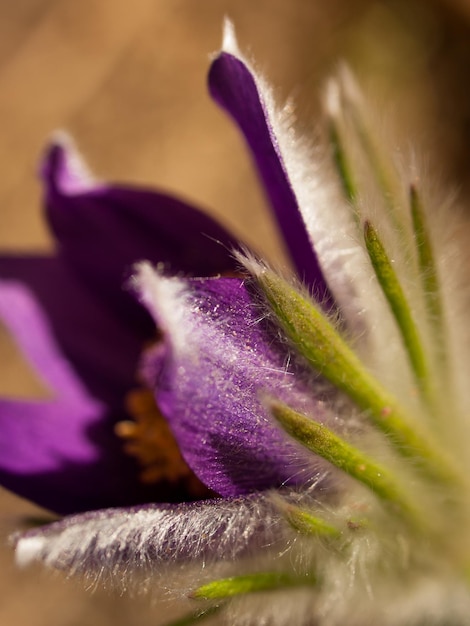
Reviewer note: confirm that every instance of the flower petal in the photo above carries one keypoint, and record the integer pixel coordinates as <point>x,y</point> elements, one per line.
<point>145,538</point>
<point>306,196</point>
<point>104,229</point>
<point>61,452</point>
<point>218,358</point>
<point>237,89</point>
<point>102,349</point>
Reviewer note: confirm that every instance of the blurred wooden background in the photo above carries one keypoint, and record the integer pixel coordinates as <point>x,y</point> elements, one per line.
<point>127,79</point>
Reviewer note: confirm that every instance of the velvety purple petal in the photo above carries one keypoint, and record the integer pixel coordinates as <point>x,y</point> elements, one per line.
<point>147,538</point>
<point>218,359</point>
<point>234,88</point>
<point>61,452</point>
<point>102,230</point>
<point>101,347</point>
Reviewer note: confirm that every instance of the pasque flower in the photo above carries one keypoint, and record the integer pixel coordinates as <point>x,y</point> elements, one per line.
<point>326,416</point>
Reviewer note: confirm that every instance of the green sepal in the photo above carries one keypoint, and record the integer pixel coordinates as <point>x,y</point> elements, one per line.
<point>327,444</point>
<point>315,337</point>
<point>399,306</point>
<point>250,583</point>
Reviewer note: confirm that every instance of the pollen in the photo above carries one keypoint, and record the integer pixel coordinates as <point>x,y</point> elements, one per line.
<point>148,438</point>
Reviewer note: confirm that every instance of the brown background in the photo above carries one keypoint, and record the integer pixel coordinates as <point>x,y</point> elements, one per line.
<point>127,79</point>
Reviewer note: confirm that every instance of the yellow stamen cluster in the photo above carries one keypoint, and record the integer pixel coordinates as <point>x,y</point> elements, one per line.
<point>148,438</point>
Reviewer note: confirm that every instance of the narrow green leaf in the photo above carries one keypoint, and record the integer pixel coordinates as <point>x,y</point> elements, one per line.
<point>384,173</point>
<point>304,522</point>
<point>343,166</point>
<point>424,248</point>
<point>322,441</point>
<point>318,341</point>
<point>238,585</point>
<point>428,271</point>
<point>399,306</point>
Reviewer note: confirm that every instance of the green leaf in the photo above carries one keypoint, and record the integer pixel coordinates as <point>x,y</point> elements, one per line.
<point>306,523</point>
<point>400,308</point>
<point>238,585</point>
<point>428,273</point>
<point>322,441</point>
<point>317,340</point>
<point>343,166</point>
<point>383,172</point>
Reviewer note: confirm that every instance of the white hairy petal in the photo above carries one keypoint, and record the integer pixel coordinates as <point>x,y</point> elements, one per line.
<point>149,536</point>
<point>172,297</point>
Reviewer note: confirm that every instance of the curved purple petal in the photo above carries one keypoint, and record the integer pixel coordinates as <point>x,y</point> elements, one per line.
<point>147,538</point>
<point>234,87</point>
<point>218,359</point>
<point>102,230</point>
<point>61,452</point>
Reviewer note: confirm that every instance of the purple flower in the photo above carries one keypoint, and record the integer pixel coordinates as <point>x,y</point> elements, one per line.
<point>313,412</point>
<point>84,332</point>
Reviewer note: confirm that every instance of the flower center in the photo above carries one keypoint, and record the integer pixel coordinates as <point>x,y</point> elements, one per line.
<point>148,438</point>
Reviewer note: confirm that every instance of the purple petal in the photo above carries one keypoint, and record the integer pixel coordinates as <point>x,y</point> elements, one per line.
<point>102,348</point>
<point>102,230</point>
<point>147,538</point>
<point>218,359</point>
<point>235,88</point>
<point>61,452</point>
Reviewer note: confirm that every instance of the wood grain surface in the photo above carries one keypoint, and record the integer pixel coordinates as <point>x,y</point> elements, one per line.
<point>127,79</point>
